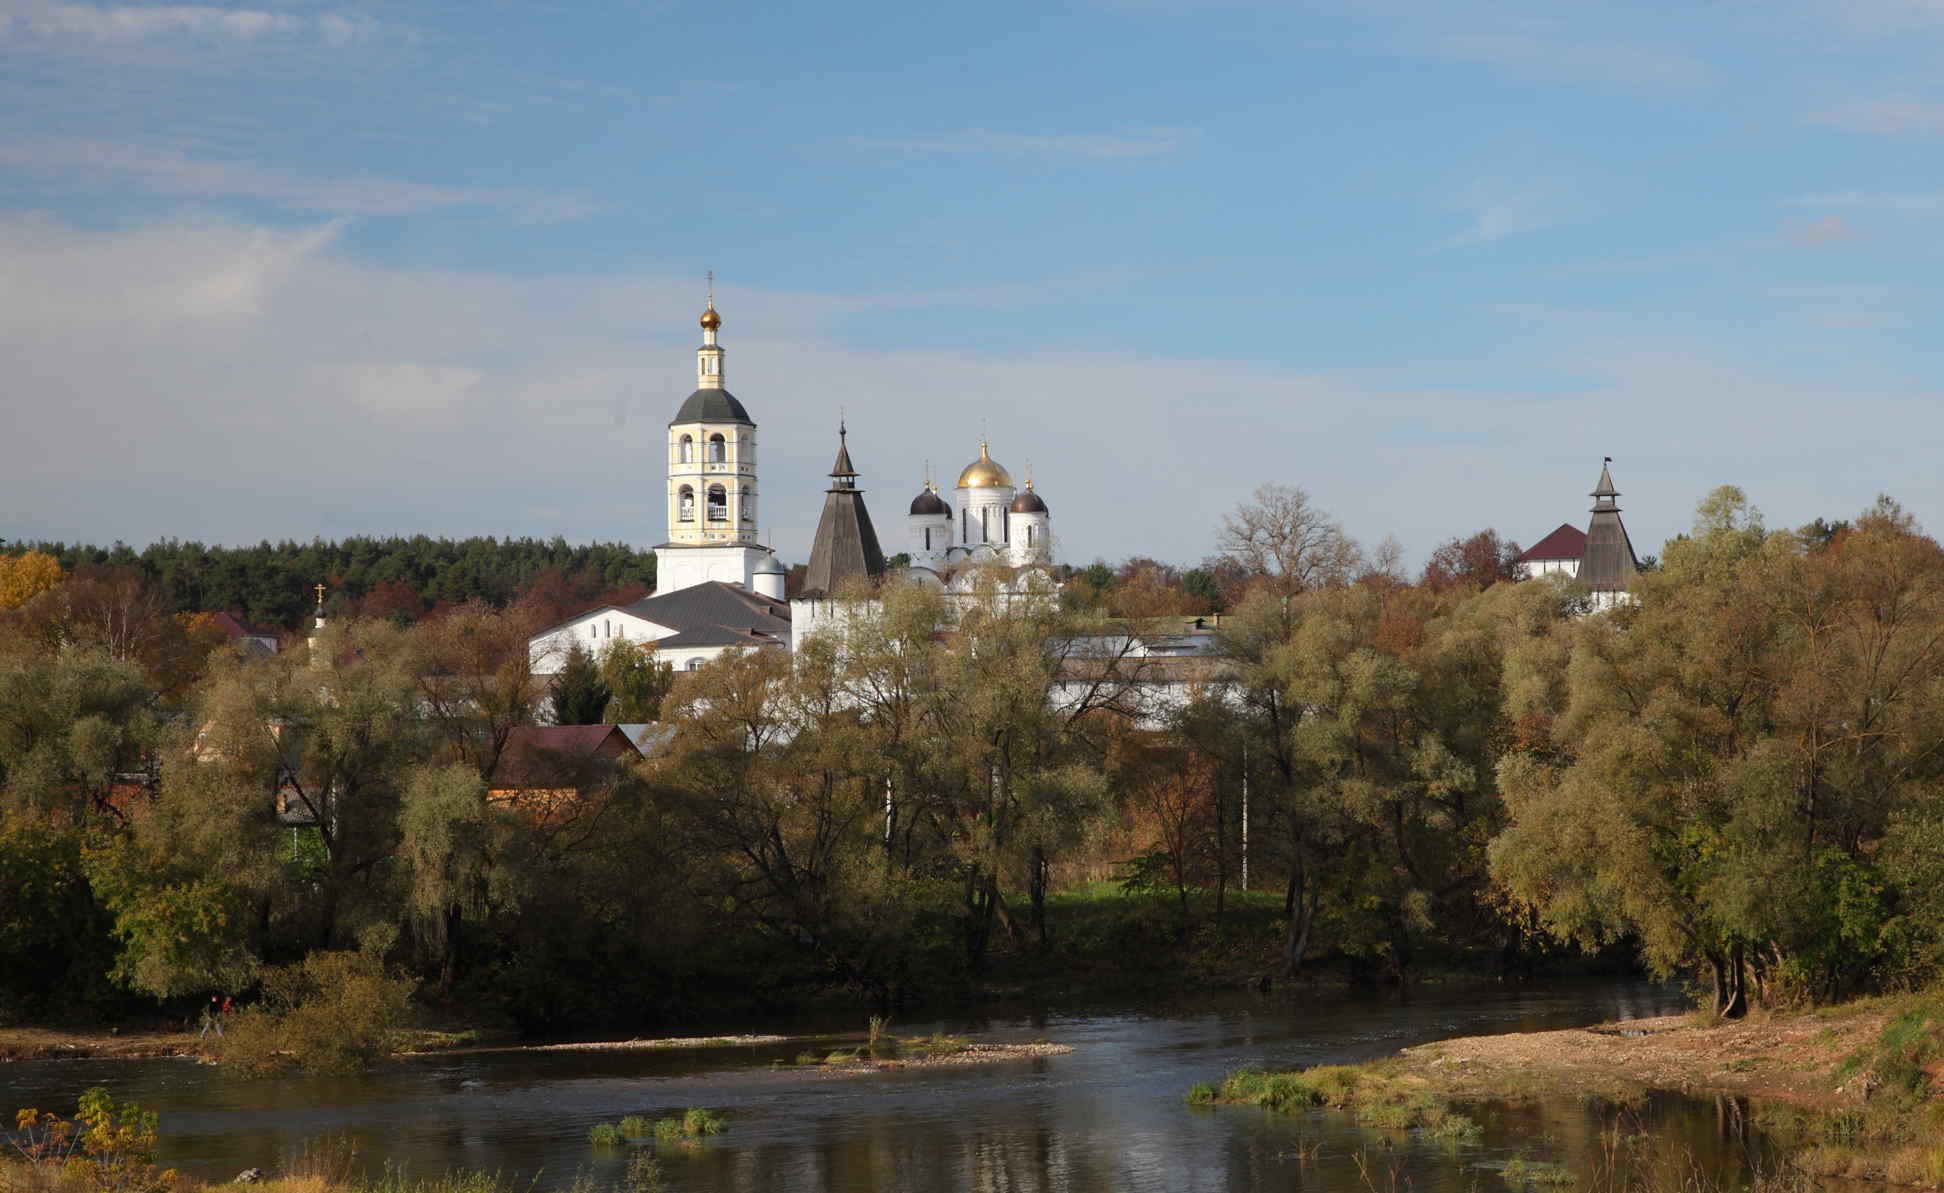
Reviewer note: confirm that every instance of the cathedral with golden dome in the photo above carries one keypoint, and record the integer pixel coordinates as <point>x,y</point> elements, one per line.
<point>995,522</point>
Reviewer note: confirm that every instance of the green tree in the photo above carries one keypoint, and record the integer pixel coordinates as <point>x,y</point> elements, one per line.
<point>638,682</point>
<point>580,697</point>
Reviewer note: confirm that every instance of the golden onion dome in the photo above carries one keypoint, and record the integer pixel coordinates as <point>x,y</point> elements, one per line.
<point>711,320</point>
<point>985,473</point>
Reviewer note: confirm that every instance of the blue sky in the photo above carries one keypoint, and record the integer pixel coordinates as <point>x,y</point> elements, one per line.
<point>295,270</point>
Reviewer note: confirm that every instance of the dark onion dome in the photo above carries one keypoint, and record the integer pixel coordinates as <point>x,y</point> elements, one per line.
<point>929,504</point>
<point>1028,502</point>
<point>712,406</point>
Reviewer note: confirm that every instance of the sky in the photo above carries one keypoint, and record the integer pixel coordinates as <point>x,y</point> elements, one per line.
<point>290,270</point>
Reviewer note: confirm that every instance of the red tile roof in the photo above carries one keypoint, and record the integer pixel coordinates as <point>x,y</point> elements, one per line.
<point>1565,543</point>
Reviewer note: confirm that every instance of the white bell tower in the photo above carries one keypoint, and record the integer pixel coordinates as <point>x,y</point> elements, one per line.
<point>711,480</point>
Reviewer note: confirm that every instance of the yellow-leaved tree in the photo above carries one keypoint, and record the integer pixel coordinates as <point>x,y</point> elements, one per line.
<point>25,576</point>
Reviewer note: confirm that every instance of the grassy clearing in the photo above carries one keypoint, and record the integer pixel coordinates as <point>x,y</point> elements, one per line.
<point>1382,1095</point>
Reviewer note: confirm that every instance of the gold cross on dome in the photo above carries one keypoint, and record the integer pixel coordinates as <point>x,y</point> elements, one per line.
<point>320,595</point>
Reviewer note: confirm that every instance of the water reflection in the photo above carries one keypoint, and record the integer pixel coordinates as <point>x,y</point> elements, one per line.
<point>1107,1117</point>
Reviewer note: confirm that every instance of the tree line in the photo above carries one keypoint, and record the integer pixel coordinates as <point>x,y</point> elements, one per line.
<point>401,578</point>
<point>1736,775</point>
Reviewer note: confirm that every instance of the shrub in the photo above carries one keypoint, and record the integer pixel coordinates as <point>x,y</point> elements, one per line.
<point>700,1121</point>
<point>605,1135</point>
<point>637,1126</point>
<point>644,1174</point>
<point>105,1148</point>
<point>1202,1093</point>
<point>668,1129</point>
<point>332,1012</point>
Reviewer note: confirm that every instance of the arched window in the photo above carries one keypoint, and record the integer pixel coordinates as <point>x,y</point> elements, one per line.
<point>718,451</point>
<point>686,504</point>
<point>748,505</point>
<point>965,516</point>
<point>1030,535</point>
<point>718,504</point>
<point>688,449</point>
<point>928,538</point>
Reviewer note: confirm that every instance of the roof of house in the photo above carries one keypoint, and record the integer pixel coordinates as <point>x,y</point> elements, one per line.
<point>1567,542</point>
<point>714,605</point>
<point>556,755</point>
<point>248,635</point>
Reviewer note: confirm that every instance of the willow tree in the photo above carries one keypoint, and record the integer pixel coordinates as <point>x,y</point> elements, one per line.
<point>1731,751</point>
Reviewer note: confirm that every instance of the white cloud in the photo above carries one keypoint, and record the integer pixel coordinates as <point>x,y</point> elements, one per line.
<point>1605,62</point>
<point>1890,116</point>
<point>164,170</point>
<point>1146,143</point>
<point>1902,201</point>
<point>1496,210</point>
<point>120,23</point>
<point>1886,16</point>
<point>223,381</point>
<point>1829,229</point>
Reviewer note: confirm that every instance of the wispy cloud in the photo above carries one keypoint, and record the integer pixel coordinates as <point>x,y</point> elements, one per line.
<point>1609,63</point>
<point>124,23</point>
<point>1828,230</point>
<point>87,163</point>
<point>1892,116</point>
<point>1496,210</point>
<point>1886,16</point>
<point>1904,201</point>
<point>1143,143</point>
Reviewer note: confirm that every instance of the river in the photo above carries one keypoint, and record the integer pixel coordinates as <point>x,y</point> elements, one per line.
<point>1107,1116</point>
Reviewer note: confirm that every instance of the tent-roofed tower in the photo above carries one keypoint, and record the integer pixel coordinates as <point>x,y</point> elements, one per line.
<point>1608,563</point>
<point>711,480</point>
<point>846,547</point>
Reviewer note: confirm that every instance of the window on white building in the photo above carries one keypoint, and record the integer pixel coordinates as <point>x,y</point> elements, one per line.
<point>748,513</point>
<point>718,504</point>
<point>695,664</point>
<point>718,448</point>
<point>688,449</point>
<point>686,506</point>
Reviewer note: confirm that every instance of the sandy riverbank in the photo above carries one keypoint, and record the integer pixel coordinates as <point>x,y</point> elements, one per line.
<point>1788,1057</point>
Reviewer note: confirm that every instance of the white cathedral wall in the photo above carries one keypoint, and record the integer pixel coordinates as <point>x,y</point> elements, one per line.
<point>593,632</point>
<point>1532,569</point>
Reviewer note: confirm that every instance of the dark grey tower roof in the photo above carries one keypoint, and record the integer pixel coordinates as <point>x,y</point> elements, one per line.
<point>1028,502</point>
<point>930,503</point>
<point>1608,563</point>
<point>846,546</point>
<point>712,406</point>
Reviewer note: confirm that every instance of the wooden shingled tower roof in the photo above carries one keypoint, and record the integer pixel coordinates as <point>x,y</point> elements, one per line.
<point>846,546</point>
<point>1608,563</point>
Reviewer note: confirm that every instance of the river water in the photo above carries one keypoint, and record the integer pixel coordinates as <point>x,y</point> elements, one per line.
<point>1107,1116</point>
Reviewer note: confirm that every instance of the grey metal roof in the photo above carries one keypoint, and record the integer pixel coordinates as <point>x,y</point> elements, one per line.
<point>930,503</point>
<point>714,605</point>
<point>717,636</point>
<point>712,406</point>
